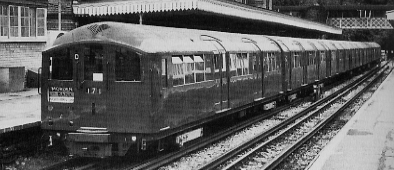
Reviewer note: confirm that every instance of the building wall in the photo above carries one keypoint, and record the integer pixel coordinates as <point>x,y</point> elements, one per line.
<point>21,54</point>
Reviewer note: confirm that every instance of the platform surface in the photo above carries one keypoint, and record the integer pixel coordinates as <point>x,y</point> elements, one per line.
<point>366,142</point>
<point>19,110</point>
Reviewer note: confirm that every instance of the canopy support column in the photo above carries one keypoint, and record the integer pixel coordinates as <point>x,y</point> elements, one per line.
<point>140,14</point>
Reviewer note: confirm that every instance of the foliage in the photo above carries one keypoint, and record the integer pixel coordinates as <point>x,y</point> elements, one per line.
<point>375,35</point>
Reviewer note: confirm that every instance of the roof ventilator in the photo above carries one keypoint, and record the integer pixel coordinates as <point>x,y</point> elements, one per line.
<point>95,28</point>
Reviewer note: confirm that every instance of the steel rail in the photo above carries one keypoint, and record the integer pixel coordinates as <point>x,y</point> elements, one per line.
<point>84,164</point>
<point>171,157</point>
<point>284,154</point>
<point>237,151</point>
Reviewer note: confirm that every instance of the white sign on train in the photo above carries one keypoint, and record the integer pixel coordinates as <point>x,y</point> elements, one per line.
<point>61,95</point>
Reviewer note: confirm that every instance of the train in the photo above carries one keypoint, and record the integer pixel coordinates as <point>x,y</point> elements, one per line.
<point>115,89</point>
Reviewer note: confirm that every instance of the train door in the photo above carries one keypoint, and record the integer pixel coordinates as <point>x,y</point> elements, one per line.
<point>304,65</point>
<point>221,73</point>
<point>91,80</point>
<point>222,78</point>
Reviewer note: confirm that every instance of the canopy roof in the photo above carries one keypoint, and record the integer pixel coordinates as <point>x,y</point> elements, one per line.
<point>218,7</point>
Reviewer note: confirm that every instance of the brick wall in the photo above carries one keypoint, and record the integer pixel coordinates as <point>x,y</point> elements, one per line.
<point>21,54</point>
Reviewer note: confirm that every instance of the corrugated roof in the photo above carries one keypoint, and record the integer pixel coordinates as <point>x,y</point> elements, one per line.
<point>337,7</point>
<point>221,7</point>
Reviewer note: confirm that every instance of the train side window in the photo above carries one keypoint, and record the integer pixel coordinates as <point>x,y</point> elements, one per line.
<point>296,60</point>
<point>164,69</point>
<point>239,64</point>
<point>277,59</point>
<point>216,65</point>
<point>333,55</point>
<point>200,68</point>
<point>189,69</point>
<point>233,64</point>
<point>208,67</point>
<point>127,65</point>
<point>267,63</point>
<point>245,58</point>
<point>271,63</point>
<point>322,56</point>
<point>310,58</point>
<point>61,66</point>
<point>313,58</point>
<point>274,62</point>
<point>252,63</point>
<point>178,73</point>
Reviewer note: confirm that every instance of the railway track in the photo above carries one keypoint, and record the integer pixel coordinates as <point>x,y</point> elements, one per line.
<point>170,158</point>
<point>267,151</point>
<point>163,160</point>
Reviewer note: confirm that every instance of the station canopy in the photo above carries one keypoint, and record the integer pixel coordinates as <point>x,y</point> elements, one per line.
<point>215,7</point>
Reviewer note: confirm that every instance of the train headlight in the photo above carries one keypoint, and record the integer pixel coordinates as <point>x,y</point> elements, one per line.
<point>50,107</point>
<point>133,138</point>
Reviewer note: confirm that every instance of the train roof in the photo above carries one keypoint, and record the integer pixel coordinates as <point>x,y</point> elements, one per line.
<point>317,45</point>
<point>157,39</point>
<point>287,44</point>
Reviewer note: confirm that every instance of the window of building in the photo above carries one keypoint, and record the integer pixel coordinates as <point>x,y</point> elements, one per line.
<point>127,64</point>
<point>41,21</point>
<point>14,26</point>
<point>32,18</point>
<point>25,22</point>
<point>20,21</point>
<point>3,21</point>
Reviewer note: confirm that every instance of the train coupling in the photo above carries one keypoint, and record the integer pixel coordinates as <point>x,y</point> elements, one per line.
<point>90,143</point>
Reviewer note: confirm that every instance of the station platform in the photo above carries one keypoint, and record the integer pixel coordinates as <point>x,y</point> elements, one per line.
<point>20,110</point>
<point>367,141</point>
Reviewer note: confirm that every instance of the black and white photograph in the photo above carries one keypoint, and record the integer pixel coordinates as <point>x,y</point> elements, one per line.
<point>196,85</point>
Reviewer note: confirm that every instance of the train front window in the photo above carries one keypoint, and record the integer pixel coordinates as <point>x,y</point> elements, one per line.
<point>127,65</point>
<point>61,66</point>
<point>93,63</point>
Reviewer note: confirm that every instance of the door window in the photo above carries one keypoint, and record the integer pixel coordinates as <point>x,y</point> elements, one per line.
<point>93,63</point>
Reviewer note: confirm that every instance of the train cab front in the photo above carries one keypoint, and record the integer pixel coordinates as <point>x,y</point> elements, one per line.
<point>79,85</point>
